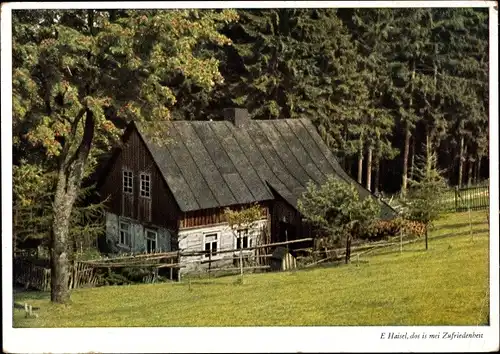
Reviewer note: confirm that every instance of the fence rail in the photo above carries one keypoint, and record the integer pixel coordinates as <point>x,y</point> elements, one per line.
<point>32,275</point>
<point>85,273</point>
<point>472,198</point>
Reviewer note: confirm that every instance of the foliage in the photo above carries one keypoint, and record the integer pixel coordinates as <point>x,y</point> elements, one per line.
<point>382,229</point>
<point>370,30</point>
<point>244,218</point>
<point>77,72</point>
<point>69,61</point>
<point>336,208</point>
<point>290,63</point>
<point>33,195</point>
<point>426,190</point>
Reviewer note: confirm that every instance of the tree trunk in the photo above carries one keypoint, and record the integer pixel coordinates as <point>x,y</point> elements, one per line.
<point>349,167</point>
<point>428,151</point>
<point>469,172</point>
<point>68,183</point>
<point>405,161</point>
<point>412,168</point>
<point>348,249</point>
<point>478,169</point>
<point>461,161</point>
<point>360,167</point>
<point>404,184</point>
<point>369,169</point>
<point>426,237</point>
<point>14,230</point>
<point>377,174</point>
<point>63,204</point>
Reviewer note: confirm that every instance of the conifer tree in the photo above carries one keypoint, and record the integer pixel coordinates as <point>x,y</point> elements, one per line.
<point>426,190</point>
<point>288,63</point>
<point>370,30</point>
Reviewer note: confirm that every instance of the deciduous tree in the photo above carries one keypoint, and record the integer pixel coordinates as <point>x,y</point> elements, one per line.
<point>338,210</point>
<point>74,70</point>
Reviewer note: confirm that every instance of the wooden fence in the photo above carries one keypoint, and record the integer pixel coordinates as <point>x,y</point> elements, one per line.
<point>31,275</point>
<point>85,273</point>
<point>251,259</point>
<point>473,198</point>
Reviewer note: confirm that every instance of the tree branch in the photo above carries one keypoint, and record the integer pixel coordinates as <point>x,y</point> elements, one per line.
<point>88,136</point>
<point>80,156</point>
<point>74,127</point>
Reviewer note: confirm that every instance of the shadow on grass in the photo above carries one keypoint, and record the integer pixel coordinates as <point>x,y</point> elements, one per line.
<point>397,251</point>
<point>458,226</point>
<point>21,295</point>
<point>325,265</point>
<point>475,232</point>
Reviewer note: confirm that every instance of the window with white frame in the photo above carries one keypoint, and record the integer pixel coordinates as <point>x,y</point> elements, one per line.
<point>151,241</point>
<point>145,185</point>
<point>243,239</point>
<point>125,234</point>
<point>128,182</point>
<point>211,243</point>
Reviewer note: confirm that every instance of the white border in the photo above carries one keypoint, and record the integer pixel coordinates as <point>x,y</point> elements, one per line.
<point>494,167</point>
<point>267,339</point>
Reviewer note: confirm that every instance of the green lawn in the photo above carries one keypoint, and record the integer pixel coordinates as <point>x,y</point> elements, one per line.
<point>446,285</point>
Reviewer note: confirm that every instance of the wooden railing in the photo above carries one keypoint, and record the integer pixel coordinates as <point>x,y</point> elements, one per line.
<point>472,198</point>
<point>31,275</point>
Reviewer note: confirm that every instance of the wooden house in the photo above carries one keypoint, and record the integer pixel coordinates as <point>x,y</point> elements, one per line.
<point>172,196</point>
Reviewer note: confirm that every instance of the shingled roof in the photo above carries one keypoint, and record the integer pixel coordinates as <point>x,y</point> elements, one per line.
<point>209,164</point>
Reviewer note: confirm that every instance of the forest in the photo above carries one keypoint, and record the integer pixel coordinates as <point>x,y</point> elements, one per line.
<point>383,86</point>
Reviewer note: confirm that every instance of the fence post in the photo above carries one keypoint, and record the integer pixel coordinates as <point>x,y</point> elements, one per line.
<point>179,269</point>
<point>241,262</point>
<point>456,198</point>
<point>209,262</point>
<point>470,223</point>
<point>401,240</point>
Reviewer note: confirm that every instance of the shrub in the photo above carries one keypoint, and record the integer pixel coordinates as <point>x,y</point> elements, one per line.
<point>382,229</point>
<point>126,275</point>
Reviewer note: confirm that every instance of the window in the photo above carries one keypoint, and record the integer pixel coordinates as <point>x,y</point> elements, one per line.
<point>125,234</point>
<point>243,239</point>
<point>128,180</point>
<point>211,244</point>
<point>145,185</point>
<point>151,241</point>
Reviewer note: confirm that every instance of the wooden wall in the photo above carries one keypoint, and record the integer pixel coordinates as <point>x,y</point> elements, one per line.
<point>161,209</point>
<point>282,212</point>
<point>213,216</point>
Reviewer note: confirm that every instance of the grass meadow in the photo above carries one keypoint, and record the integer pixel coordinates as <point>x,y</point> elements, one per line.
<point>445,285</point>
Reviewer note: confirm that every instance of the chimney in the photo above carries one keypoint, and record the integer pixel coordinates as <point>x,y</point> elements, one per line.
<point>238,116</point>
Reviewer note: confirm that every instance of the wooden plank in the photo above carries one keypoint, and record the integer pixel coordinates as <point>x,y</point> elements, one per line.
<point>238,268</point>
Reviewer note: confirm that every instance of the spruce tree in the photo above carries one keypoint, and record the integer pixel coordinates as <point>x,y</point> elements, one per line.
<point>424,202</point>
<point>288,63</point>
